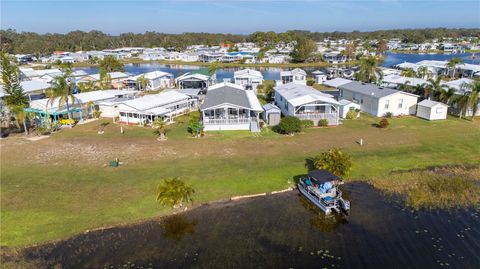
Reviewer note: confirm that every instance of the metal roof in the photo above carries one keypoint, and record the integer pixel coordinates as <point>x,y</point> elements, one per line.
<point>150,101</point>
<point>430,103</point>
<point>297,94</point>
<point>227,94</point>
<point>322,176</point>
<point>336,82</point>
<point>368,89</point>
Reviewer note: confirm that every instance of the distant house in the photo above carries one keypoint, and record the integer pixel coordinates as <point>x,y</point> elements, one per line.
<point>156,80</point>
<point>80,108</point>
<point>271,114</point>
<point>320,77</point>
<point>199,79</point>
<point>144,110</point>
<point>228,106</point>
<point>306,103</point>
<point>210,57</point>
<point>377,100</point>
<point>248,78</point>
<point>296,75</point>
<point>116,79</point>
<point>396,81</point>
<point>334,57</point>
<point>431,110</point>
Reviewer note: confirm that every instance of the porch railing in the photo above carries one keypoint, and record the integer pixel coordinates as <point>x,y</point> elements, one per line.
<point>208,121</point>
<point>316,116</point>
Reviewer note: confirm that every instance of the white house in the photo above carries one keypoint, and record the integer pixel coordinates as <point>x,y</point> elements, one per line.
<point>198,79</point>
<point>144,110</point>
<point>432,110</point>
<point>306,103</point>
<point>296,75</point>
<point>320,77</point>
<point>156,80</point>
<point>395,81</point>
<point>377,100</point>
<point>248,78</point>
<point>228,106</point>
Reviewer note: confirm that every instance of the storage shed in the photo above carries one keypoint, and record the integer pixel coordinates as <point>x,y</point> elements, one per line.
<point>271,114</point>
<point>431,110</point>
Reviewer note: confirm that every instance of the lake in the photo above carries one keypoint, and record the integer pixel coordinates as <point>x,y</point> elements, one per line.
<point>273,73</point>
<point>280,231</point>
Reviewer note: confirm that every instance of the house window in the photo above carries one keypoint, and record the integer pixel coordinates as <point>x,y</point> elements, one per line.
<point>341,93</point>
<point>122,114</point>
<point>387,104</point>
<point>439,110</point>
<point>400,103</point>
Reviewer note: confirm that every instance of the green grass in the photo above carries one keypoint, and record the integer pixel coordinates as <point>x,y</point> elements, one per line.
<point>50,200</point>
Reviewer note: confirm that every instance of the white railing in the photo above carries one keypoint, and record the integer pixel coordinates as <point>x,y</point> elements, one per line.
<point>208,121</point>
<point>316,116</point>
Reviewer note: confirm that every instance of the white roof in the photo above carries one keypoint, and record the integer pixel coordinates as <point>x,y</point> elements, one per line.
<point>31,86</point>
<point>193,75</point>
<point>396,79</point>
<point>430,103</point>
<point>293,72</point>
<point>154,75</point>
<point>253,100</point>
<point>80,98</point>
<point>459,84</point>
<point>151,101</point>
<point>223,84</point>
<point>406,65</point>
<point>336,82</point>
<point>113,75</point>
<point>247,73</point>
<point>297,94</point>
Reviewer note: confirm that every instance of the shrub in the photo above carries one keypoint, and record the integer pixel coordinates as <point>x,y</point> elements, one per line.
<point>352,114</point>
<point>307,124</point>
<point>333,160</point>
<point>288,125</point>
<point>310,81</point>
<point>174,192</point>
<point>194,126</point>
<point>383,123</point>
<point>97,114</point>
<point>388,115</point>
<point>323,122</point>
<point>40,130</point>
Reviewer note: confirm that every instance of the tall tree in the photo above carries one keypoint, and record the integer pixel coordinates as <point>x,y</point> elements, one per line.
<point>409,72</point>
<point>434,88</point>
<point>15,99</point>
<point>303,50</point>
<point>452,65</point>
<point>369,71</point>
<point>474,97</point>
<point>62,90</point>
<point>111,64</point>
<point>423,72</point>
<point>381,47</point>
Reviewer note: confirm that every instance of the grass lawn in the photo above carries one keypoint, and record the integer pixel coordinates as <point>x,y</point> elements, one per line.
<point>59,186</point>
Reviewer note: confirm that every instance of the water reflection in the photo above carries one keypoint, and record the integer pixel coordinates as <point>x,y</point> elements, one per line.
<point>321,221</point>
<point>177,227</point>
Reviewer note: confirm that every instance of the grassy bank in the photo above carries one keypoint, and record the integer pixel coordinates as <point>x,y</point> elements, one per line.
<point>436,188</point>
<point>60,186</point>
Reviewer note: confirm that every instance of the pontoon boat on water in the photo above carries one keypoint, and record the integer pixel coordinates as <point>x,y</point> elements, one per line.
<point>321,188</point>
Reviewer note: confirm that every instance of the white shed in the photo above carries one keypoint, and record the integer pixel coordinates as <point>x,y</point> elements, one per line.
<point>432,110</point>
<point>271,114</point>
<point>346,106</point>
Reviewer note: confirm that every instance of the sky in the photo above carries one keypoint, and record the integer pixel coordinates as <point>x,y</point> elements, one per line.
<point>234,16</point>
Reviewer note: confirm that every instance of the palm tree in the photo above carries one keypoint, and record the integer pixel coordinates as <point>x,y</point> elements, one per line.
<point>423,72</point>
<point>409,72</point>
<point>369,71</point>
<point>159,125</point>
<point>445,95</point>
<point>212,69</point>
<point>473,97</point>
<point>174,192</point>
<point>142,81</point>
<point>434,87</point>
<point>453,63</point>
<point>62,89</point>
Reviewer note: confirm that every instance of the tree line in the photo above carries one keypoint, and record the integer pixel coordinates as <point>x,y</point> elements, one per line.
<point>38,44</point>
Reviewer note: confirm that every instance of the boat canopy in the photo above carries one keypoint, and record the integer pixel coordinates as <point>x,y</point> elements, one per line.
<point>322,176</point>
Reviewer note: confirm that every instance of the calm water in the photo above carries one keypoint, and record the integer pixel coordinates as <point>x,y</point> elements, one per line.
<point>274,73</point>
<point>281,231</point>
